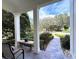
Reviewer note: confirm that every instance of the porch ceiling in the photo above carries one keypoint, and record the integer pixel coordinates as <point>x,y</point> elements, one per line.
<point>18,6</point>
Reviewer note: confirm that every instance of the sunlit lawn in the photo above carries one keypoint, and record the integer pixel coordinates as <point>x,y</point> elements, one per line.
<point>60,34</point>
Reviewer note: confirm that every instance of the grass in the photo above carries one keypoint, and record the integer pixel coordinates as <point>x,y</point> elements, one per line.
<point>60,34</point>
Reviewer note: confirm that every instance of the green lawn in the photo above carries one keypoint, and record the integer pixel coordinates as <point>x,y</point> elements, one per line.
<point>60,34</point>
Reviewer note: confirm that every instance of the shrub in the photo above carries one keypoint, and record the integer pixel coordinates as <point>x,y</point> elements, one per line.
<point>45,38</point>
<point>54,28</point>
<point>66,27</point>
<point>65,42</point>
<point>11,42</point>
<point>29,36</point>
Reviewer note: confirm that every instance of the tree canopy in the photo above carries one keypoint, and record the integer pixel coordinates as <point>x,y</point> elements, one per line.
<point>24,24</point>
<point>55,23</point>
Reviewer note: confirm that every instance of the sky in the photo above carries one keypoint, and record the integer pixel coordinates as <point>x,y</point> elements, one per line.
<point>52,9</point>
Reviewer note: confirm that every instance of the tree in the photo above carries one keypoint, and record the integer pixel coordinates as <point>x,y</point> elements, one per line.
<point>46,23</point>
<point>63,19</point>
<point>24,24</point>
<point>55,23</point>
<point>8,24</point>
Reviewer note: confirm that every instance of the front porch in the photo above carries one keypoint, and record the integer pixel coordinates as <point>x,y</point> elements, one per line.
<point>18,7</point>
<point>53,51</point>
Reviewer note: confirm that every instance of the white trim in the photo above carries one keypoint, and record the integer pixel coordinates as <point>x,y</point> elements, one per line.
<point>73,29</point>
<point>77,29</point>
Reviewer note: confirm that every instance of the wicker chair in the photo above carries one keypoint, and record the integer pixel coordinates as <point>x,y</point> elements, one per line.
<point>7,52</point>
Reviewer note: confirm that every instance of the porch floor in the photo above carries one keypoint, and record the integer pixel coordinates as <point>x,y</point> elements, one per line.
<point>53,51</point>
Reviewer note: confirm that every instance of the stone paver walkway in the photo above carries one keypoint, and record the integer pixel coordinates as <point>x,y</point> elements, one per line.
<point>53,50</point>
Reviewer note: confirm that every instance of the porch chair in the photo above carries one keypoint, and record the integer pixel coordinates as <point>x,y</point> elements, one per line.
<point>7,52</point>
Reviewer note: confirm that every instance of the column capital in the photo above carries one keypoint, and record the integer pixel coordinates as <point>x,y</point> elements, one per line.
<point>16,14</point>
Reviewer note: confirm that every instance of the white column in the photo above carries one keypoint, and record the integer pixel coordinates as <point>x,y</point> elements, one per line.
<point>73,29</point>
<point>36,30</point>
<point>17,28</point>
